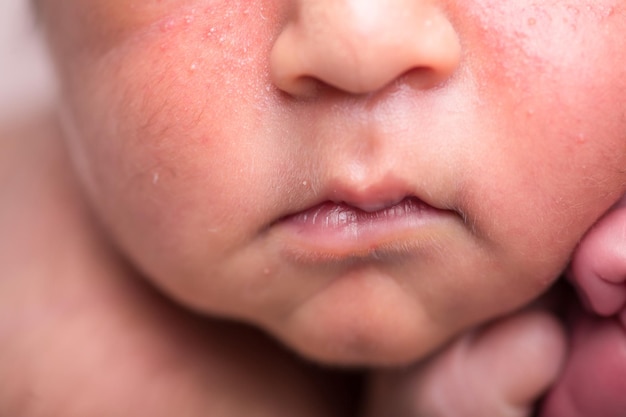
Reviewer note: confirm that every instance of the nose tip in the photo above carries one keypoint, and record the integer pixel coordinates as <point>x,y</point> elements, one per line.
<point>360,46</point>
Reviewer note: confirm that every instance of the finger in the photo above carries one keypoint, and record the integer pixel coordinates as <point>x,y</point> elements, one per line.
<point>598,268</point>
<point>521,356</point>
<point>594,380</point>
<point>499,372</point>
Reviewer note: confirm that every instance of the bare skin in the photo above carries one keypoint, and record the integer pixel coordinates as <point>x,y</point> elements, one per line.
<point>500,370</point>
<point>318,193</point>
<point>89,337</point>
<point>83,336</point>
<point>595,377</point>
<point>211,139</point>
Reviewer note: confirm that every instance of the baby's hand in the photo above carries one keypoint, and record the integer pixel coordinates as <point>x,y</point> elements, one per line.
<point>499,371</point>
<point>599,265</point>
<point>594,381</point>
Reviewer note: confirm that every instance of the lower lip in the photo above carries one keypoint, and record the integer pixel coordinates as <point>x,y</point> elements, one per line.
<point>335,232</point>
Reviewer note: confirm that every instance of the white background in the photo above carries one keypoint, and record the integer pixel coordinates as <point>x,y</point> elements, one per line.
<point>25,77</point>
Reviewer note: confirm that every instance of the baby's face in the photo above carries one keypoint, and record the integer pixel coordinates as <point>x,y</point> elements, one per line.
<point>363,179</point>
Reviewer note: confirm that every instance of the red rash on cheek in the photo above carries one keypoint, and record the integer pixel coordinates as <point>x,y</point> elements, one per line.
<point>557,60</point>
<point>158,96</point>
<point>544,39</point>
<point>200,68</point>
<point>196,59</point>
<point>547,74</point>
<point>95,27</point>
<point>181,90</point>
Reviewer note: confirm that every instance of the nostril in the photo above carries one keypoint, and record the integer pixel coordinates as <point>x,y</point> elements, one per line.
<point>304,86</point>
<point>419,78</point>
<point>423,78</point>
<point>360,47</point>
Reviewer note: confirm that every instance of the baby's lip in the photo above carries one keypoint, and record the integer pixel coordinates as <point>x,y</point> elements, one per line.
<point>371,198</point>
<point>379,194</point>
<point>380,220</point>
<point>340,217</point>
<point>375,196</point>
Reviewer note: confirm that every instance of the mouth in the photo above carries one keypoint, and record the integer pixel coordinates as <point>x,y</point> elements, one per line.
<point>334,231</point>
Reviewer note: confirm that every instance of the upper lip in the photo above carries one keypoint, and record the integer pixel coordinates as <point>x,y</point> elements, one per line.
<point>368,197</point>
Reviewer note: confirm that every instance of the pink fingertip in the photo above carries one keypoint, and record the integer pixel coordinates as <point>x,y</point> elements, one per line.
<point>598,294</point>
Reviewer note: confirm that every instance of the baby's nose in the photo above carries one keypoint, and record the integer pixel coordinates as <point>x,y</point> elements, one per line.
<point>360,46</point>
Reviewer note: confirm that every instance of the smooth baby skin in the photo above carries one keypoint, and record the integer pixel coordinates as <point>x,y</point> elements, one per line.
<point>67,352</point>
<point>83,335</point>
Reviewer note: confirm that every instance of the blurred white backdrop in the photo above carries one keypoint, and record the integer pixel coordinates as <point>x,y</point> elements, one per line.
<point>25,78</point>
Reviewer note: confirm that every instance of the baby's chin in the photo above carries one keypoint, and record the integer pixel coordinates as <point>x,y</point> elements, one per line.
<point>364,345</point>
<point>364,341</point>
<point>364,327</point>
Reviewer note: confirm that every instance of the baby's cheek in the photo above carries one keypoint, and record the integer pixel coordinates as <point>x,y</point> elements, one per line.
<point>555,107</point>
<point>95,28</point>
<point>527,41</point>
<point>123,14</point>
<point>190,80</point>
<point>171,119</point>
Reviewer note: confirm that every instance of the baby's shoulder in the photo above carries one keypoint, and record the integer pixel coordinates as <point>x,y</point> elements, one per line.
<point>34,185</point>
<point>42,216</point>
